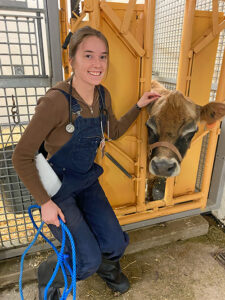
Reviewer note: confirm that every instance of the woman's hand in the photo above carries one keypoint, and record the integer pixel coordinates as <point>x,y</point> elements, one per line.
<point>147,98</point>
<point>50,212</point>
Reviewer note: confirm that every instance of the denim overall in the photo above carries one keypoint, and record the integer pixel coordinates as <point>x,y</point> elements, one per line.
<point>89,216</point>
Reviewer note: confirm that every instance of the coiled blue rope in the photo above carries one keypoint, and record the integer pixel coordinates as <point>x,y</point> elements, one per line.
<point>61,259</point>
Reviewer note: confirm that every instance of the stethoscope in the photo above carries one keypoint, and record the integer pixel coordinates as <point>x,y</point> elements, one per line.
<point>70,128</point>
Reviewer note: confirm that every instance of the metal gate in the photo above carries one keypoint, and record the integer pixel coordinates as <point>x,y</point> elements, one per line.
<point>188,42</point>
<point>129,29</point>
<point>30,62</point>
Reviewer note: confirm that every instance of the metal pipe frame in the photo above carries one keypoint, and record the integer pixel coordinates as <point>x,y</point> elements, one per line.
<point>169,204</point>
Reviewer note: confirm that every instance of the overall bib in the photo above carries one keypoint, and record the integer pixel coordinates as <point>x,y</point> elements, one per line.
<point>89,216</point>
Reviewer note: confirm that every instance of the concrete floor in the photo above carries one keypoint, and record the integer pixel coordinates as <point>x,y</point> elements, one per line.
<point>182,270</point>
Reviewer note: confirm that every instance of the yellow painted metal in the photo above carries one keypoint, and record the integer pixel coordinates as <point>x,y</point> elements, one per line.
<point>185,45</point>
<point>75,23</point>
<point>127,17</point>
<point>220,96</point>
<point>124,72</point>
<point>199,92</point>
<point>128,37</point>
<point>208,36</point>
<point>145,85</point>
<point>95,21</point>
<point>129,29</point>
<point>215,17</point>
<point>155,213</point>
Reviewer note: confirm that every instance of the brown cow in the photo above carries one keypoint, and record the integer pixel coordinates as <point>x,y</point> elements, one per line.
<point>171,125</point>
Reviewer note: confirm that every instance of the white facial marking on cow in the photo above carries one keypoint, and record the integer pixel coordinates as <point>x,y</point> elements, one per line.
<point>193,128</point>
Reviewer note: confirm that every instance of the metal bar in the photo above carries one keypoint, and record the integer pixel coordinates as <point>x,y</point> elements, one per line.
<point>121,211</point>
<point>14,4</point>
<point>127,17</point>
<point>116,163</point>
<point>26,44</point>
<point>185,45</point>
<point>8,65</point>
<point>7,7</point>
<point>41,47</point>
<point>29,81</point>
<point>7,38</point>
<point>145,215</point>
<point>129,38</point>
<point>207,37</point>
<point>215,17</point>
<point>145,85</point>
<point>220,96</point>
<point>53,42</point>
<point>76,24</point>
<point>95,15</point>
<point>121,152</point>
<point>20,16</point>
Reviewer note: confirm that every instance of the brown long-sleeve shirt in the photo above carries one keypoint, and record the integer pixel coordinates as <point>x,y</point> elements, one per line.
<point>48,124</point>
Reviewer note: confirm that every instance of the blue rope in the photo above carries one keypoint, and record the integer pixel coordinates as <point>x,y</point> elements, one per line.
<point>62,259</point>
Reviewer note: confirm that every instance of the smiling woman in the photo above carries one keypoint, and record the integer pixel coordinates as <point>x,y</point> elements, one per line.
<point>80,201</point>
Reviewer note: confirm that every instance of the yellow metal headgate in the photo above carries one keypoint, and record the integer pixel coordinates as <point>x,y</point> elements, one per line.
<point>181,44</point>
<point>129,29</point>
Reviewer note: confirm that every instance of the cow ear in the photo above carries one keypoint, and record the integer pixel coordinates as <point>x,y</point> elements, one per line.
<point>159,88</point>
<point>212,112</point>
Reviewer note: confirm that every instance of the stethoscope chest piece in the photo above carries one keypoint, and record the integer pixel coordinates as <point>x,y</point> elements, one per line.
<point>70,128</point>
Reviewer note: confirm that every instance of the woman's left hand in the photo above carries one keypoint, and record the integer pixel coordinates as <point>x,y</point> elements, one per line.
<point>147,98</point>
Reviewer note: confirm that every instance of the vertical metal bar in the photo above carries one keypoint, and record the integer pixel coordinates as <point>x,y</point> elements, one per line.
<point>127,16</point>
<point>20,49</point>
<point>215,17</point>
<point>41,47</point>
<point>95,20</point>
<point>53,41</point>
<point>185,45</point>
<point>8,43</point>
<point>145,85</point>
<point>31,51</point>
<point>220,95</point>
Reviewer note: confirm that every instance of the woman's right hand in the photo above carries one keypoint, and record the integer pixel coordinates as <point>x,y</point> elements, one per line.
<point>50,212</point>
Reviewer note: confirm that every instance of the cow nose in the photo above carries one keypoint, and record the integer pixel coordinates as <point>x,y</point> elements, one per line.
<point>163,167</point>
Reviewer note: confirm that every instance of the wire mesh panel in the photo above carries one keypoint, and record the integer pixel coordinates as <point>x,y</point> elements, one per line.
<point>26,73</point>
<point>15,226</point>
<point>167,36</point>
<point>207,6</point>
<point>21,43</point>
<point>28,3</point>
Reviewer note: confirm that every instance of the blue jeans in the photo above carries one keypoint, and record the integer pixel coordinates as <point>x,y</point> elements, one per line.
<point>94,227</point>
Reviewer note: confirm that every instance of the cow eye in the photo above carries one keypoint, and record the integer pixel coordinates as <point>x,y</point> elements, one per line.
<point>151,125</point>
<point>190,135</point>
<point>152,135</point>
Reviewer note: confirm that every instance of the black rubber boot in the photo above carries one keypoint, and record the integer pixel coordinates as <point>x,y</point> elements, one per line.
<point>53,293</point>
<point>111,273</point>
<point>45,272</point>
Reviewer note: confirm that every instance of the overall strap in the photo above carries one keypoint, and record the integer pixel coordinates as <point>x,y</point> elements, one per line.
<point>75,106</point>
<point>102,107</point>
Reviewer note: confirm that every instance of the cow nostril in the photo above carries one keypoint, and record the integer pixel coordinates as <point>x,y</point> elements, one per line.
<point>154,166</point>
<point>172,168</point>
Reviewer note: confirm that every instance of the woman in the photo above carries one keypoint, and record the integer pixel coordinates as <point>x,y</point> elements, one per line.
<point>71,146</point>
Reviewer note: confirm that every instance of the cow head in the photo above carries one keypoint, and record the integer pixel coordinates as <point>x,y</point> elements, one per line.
<point>171,125</point>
